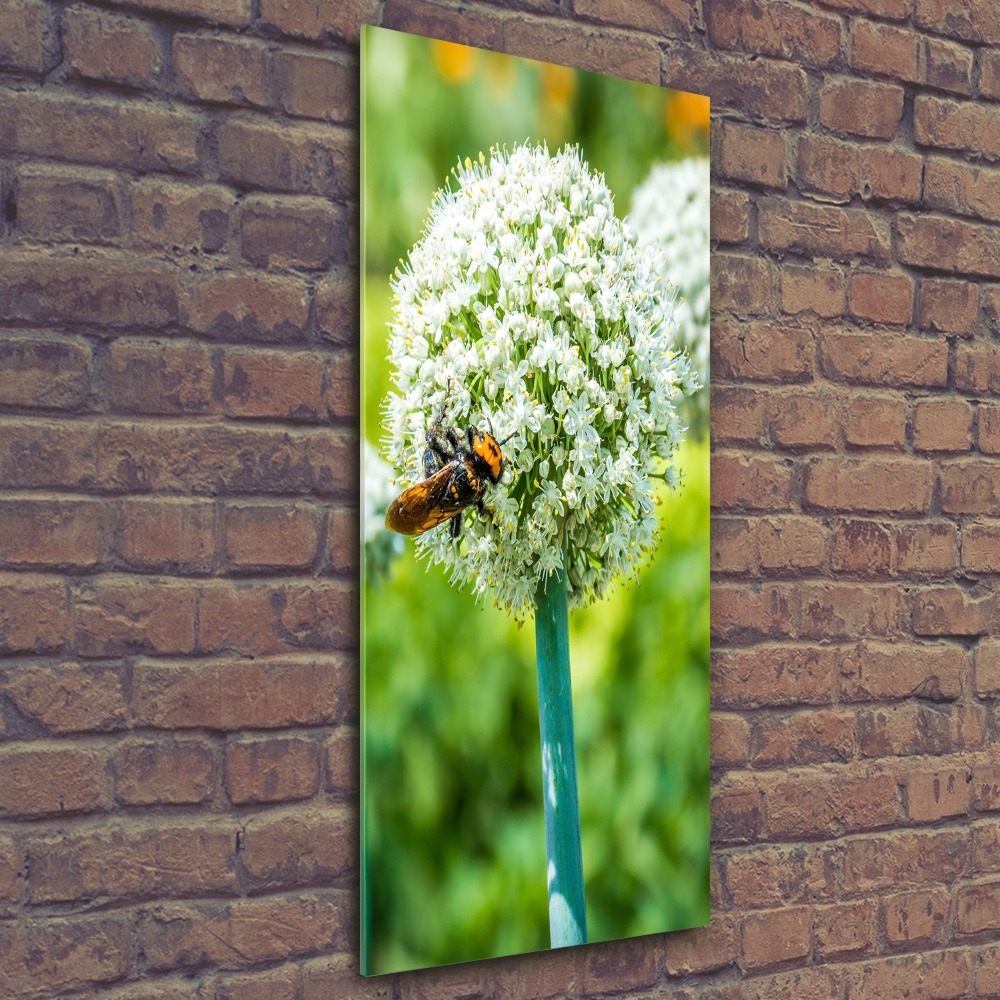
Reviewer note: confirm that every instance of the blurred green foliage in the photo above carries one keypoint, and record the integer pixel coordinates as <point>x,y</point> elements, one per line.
<point>453,842</point>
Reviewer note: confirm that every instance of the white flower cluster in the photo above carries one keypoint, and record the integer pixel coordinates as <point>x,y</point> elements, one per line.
<point>529,306</point>
<point>670,209</point>
<point>381,546</point>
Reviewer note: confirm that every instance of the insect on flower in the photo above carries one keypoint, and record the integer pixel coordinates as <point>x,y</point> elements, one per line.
<point>457,469</point>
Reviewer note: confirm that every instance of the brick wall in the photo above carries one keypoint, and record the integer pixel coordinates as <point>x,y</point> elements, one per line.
<point>178,289</point>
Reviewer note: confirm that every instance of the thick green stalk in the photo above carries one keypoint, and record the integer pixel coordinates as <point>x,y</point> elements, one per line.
<point>567,908</point>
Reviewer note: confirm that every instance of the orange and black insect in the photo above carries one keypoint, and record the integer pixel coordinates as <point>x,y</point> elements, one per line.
<point>457,470</point>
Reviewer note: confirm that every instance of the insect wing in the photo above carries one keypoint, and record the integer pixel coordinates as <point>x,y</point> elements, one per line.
<point>424,505</point>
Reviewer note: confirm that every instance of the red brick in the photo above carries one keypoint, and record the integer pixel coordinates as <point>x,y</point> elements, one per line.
<point>825,983</point>
<point>241,694</point>
<point>260,383</point>
<point>732,549</point>
<point>68,697</point>
<point>164,772</point>
<point>970,487</point>
<point>972,20</point>
<point>988,667</point>
<point>742,285</point>
<point>884,359</point>
<point>54,954</point>
<point>943,974</point>
<point>180,218</point>
<point>156,377</point>
<point>949,244</point>
<point>926,548</point>
<point>767,88</point>
<point>300,158</point>
<point>979,908</point>
<point>908,729</point>
<point>891,174</point>
<point>315,86</point>
<point>49,779</point>
<point>627,963</point>
<point>116,615</point>
<point>341,380</point>
<point>729,740</point>
<point>989,430</point>
<point>337,311</point>
<point>880,670</point>
<point>165,860</point>
<point>894,9</point>
<point>812,289</point>
<point>862,547</point>
<point>887,50</point>
<point>236,13</point>
<point>739,415</point>
<point>222,70</point>
<point>774,29</point>
<point>245,931</point>
<point>104,46</point>
<point>882,298</point>
<point>283,232</point>
<point>666,17</point>
<point>830,167</point>
<point>847,611</point>
<point>892,484</point>
<point>270,536</point>
<point>479,28</point>
<point>34,613</point>
<point>754,483</point>
<point>962,189</point>
<point>741,613</point>
<point>936,794</point>
<point>633,56</point>
<point>773,675</point>
<point>702,949</point>
<point>886,862</point>
<point>859,107</point>
<point>752,352</point>
<point>948,306</point>
<point>985,785</point>
<point>803,419</point>
<point>822,230</point>
<point>957,125</point>
<point>986,971</point>
<point>919,917</point>
<point>282,983</point>
<point>790,543</point>
<point>981,547</point>
<point>29,39</point>
<point>736,814</point>
<point>730,215</point>
<point>948,66</point>
<point>271,770</point>
<point>807,737</point>
<point>323,18</point>
<point>950,611</point>
<point>875,422</point>
<point>248,307</point>
<point>68,533</point>
<point>991,309</point>
<point>989,73</point>
<point>942,425</point>
<point>299,847</point>
<point>99,131</point>
<point>342,765</point>
<point>343,540</point>
<point>977,367</point>
<point>747,153</point>
<point>766,875</point>
<point>79,205</point>
<point>845,928</point>
<point>162,534</point>
<point>776,936</point>
<point>48,372</point>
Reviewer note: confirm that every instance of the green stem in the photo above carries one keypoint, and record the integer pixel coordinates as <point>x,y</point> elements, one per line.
<point>567,908</point>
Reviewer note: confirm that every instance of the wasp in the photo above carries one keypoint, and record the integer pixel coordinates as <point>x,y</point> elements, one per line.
<point>457,469</point>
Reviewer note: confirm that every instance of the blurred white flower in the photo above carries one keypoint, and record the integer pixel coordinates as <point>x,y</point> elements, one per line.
<point>670,210</point>
<point>566,343</point>
<point>381,546</point>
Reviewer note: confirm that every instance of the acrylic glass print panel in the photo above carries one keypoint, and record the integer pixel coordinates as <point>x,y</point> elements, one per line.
<point>535,266</point>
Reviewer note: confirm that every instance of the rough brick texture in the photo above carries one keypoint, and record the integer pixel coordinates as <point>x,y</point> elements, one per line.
<point>178,414</point>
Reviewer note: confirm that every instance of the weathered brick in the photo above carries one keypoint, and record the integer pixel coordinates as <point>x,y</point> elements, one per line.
<point>315,86</point>
<point>222,70</point>
<point>337,310</point>
<point>773,675</point>
<point>750,482</point>
<point>736,814</point>
<point>942,425</point>
<point>336,18</point>
<point>667,17</point>
<point>948,306</point>
<point>730,215</point>
<point>164,534</point>
<point>48,780</point>
<point>950,611</point>
<point>761,611</point>
<point>847,611</point>
<point>805,737</point>
<point>766,875</point>
<point>884,359</point>
<point>805,419</point>
<point>970,487</point>
<point>749,352</point>
<point>972,20</point>
<point>830,167</point>
<point>957,125</point>
<point>886,49</point>
<point>342,765</point>
<point>282,232</point>
<point>159,377</point>
<point>859,107</point>
<point>845,928</point>
<point>38,532</point>
<point>875,421</point>
<point>786,543</point>
<point>985,785</point>
<point>747,153</point>
<point>918,917</point>
<point>888,861</point>
<point>481,28</point>
<point>34,613</point>
<point>891,174</point>
<point>892,484</point>
<point>989,73</point>
<point>863,547</point>
<point>875,670</point>
<point>29,38</point>
<point>981,547</point>
<point>962,188</point>
<point>295,847</point>
<point>272,770</point>
<point>180,218</point>
<point>987,660</point>
<point>822,230</point>
<point>881,297</point>
<point>942,974</point>
<point>82,205</point>
<point>269,536</point>
<point>909,729</point>
<point>248,307</point>
<point>733,550</point>
<point>979,908</point>
<point>44,371</point>
<point>164,772</point>
<point>69,697</point>
<point>812,289</point>
<point>343,535</point>
<point>282,384</point>
<point>935,794</point>
<point>729,739</point>
<point>774,29</point>
<point>930,547</point>
<point>104,46</point>
<point>742,285</point>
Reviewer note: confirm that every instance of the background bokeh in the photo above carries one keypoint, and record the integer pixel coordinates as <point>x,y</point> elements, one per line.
<point>453,842</point>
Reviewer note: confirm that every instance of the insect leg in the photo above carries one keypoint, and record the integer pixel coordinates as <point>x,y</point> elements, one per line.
<point>456,525</point>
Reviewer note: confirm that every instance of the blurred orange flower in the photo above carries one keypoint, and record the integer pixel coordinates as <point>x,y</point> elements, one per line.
<point>453,62</point>
<point>686,114</point>
<point>558,84</point>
